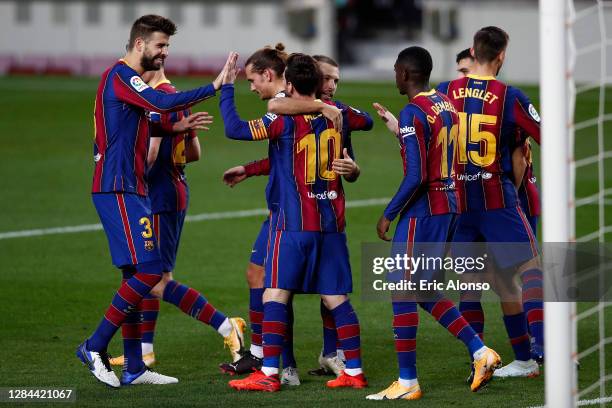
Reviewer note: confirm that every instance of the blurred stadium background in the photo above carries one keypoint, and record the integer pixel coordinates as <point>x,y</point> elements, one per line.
<point>56,281</point>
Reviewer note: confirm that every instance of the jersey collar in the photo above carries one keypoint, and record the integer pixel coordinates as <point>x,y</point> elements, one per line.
<point>126,63</point>
<point>483,78</point>
<point>426,93</point>
<point>163,81</point>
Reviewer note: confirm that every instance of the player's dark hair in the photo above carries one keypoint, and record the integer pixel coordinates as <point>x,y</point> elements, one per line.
<point>268,57</point>
<point>326,60</point>
<point>149,24</point>
<point>303,73</point>
<point>417,62</point>
<point>489,42</point>
<point>463,55</point>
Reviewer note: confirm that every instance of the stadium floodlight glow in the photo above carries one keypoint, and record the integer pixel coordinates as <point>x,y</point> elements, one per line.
<point>556,200</point>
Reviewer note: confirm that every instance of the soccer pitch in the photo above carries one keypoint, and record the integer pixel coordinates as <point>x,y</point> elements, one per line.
<point>54,288</point>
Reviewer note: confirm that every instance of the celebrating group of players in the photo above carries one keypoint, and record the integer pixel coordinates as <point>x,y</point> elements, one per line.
<point>466,161</point>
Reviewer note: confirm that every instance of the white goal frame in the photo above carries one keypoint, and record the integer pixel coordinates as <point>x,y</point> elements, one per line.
<point>557,200</point>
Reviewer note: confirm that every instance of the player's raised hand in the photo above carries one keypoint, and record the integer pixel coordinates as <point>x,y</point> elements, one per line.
<point>195,121</point>
<point>334,114</point>
<point>219,79</point>
<point>232,70</point>
<point>235,175</point>
<point>345,165</point>
<point>383,227</point>
<point>387,117</point>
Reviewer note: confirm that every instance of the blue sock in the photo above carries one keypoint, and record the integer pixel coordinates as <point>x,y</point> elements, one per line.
<point>193,303</point>
<point>126,299</point>
<point>330,337</point>
<point>472,312</point>
<point>256,314</point>
<point>533,304</point>
<point>150,310</point>
<point>347,326</point>
<point>516,326</point>
<point>274,328</point>
<point>287,353</point>
<point>132,348</point>
<point>405,324</point>
<point>445,312</point>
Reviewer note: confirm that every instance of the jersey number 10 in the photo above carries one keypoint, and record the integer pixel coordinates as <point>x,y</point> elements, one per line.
<point>319,152</point>
<point>460,137</point>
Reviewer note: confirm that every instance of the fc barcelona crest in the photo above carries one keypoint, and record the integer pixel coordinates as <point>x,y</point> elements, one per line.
<point>149,245</point>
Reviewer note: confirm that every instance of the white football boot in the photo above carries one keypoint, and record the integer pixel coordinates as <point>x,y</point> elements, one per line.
<point>333,364</point>
<point>290,376</point>
<point>98,364</point>
<point>146,376</point>
<point>518,368</point>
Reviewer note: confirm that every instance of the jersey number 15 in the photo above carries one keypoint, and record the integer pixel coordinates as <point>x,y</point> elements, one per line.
<point>460,138</point>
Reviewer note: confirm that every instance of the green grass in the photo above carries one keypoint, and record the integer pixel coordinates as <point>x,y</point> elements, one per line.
<point>54,289</point>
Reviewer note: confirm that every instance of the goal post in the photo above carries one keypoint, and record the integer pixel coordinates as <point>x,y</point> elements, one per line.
<point>556,197</point>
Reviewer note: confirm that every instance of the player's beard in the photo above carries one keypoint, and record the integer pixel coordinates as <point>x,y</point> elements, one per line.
<point>148,63</point>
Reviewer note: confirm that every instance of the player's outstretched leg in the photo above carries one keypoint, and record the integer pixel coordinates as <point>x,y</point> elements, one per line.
<point>290,375</point>
<point>347,327</point>
<point>485,360</point>
<point>533,305</point>
<point>472,312</point>
<point>193,303</point>
<point>405,324</point>
<point>93,351</point>
<point>274,329</point>
<point>252,358</point>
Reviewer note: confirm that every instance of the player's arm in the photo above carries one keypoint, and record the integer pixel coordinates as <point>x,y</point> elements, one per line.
<point>288,106</point>
<point>263,128</point>
<point>154,143</point>
<point>193,150</point>
<point>525,115</point>
<point>519,165</point>
<point>413,138</point>
<point>237,174</point>
<point>132,90</point>
<point>356,119</point>
<point>387,117</point>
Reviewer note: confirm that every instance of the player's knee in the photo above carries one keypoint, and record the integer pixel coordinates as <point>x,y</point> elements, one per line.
<point>276,295</point>
<point>158,290</point>
<point>255,275</point>
<point>533,263</point>
<point>511,308</point>
<point>333,301</point>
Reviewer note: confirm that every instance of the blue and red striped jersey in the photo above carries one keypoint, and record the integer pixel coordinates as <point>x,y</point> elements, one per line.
<point>353,119</point>
<point>427,126</point>
<point>168,188</point>
<point>490,112</point>
<point>302,149</point>
<point>122,128</point>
